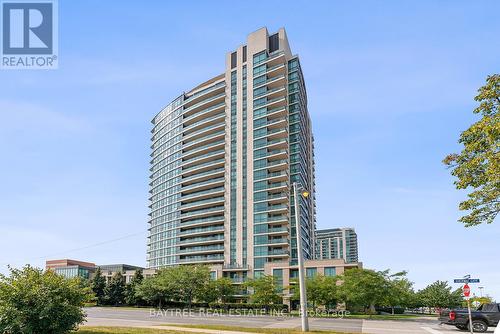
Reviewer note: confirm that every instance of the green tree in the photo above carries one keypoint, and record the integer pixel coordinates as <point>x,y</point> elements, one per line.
<point>364,288</point>
<point>130,296</point>
<point>186,283</point>
<point>478,165</point>
<point>439,294</point>
<point>34,301</point>
<point>152,290</point>
<point>224,288</point>
<point>321,290</point>
<point>115,290</point>
<point>400,292</point>
<point>220,289</point>
<point>265,290</point>
<point>98,285</point>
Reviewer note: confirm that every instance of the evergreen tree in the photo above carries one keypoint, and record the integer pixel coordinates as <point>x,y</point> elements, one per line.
<point>131,298</point>
<point>98,285</point>
<point>115,290</point>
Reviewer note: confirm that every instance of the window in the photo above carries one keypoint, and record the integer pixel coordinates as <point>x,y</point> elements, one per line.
<point>330,271</point>
<point>258,273</point>
<point>244,53</point>
<point>310,272</point>
<point>259,70</point>
<point>233,60</point>
<point>274,43</point>
<point>259,263</point>
<point>259,57</point>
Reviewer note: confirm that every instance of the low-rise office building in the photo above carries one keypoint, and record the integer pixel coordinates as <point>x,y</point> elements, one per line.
<point>74,268</point>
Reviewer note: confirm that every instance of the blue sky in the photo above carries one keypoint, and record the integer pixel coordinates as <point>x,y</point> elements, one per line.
<point>390,86</point>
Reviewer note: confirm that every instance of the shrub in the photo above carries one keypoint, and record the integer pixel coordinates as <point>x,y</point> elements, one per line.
<point>34,301</point>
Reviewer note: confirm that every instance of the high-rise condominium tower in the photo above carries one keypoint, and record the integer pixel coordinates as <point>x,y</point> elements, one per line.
<point>224,158</point>
<point>337,243</point>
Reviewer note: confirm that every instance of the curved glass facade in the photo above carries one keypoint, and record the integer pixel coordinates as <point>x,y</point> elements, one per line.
<point>187,179</point>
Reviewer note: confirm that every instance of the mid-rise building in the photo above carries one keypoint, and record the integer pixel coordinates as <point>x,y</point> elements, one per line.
<point>337,243</point>
<point>224,157</point>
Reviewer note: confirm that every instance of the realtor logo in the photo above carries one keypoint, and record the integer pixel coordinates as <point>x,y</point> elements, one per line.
<point>29,34</point>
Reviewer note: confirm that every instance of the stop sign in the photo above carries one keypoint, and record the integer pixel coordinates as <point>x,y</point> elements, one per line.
<point>466,290</point>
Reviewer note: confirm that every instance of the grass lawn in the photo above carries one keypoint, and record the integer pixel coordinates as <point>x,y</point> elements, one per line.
<point>255,330</point>
<point>124,330</point>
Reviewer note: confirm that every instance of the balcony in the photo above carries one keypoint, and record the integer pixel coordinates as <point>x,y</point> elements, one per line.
<point>201,249</point>
<point>203,212</point>
<point>205,103</point>
<point>202,158</point>
<point>209,138</point>
<point>210,147</point>
<point>203,176</point>
<point>204,113</point>
<point>275,231</point>
<point>202,194</point>
<point>203,132</point>
<point>271,93</point>
<point>202,259</point>
<point>204,123</point>
<point>202,231</point>
<point>202,240</point>
<point>273,208</point>
<point>202,167</point>
<point>203,94</point>
<point>204,203</point>
<point>202,221</point>
<point>203,185</point>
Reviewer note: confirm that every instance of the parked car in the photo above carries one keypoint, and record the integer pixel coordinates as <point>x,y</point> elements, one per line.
<point>487,315</point>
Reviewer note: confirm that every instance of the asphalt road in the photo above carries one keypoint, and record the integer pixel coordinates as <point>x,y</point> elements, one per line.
<point>109,316</point>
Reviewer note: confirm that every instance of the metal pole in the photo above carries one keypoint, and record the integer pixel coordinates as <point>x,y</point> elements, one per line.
<point>470,316</point>
<point>302,283</point>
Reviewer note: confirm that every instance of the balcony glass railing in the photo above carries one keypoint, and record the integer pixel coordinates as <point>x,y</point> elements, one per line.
<point>271,175</point>
<point>202,258</point>
<point>271,142</point>
<point>268,91</point>
<point>206,91</point>
<point>272,68</point>
<point>194,106</point>
<point>202,139</point>
<point>273,241</point>
<point>208,172</point>
<point>203,201</point>
<point>269,153</point>
<point>196,185</point>
<point>219,237</point>
<point>201,193</point>
<point>204,147</point>
<point>272,207</point>
<point>214,153</point>
<point>197,132</point>
<point>211,162</point>
<point>200,249</point>
<point>202,230</point>
<point>265,82</point>
<point>201,211</point>
<point>201,220</point>
<point>203,112</point>
<point>205,120</point>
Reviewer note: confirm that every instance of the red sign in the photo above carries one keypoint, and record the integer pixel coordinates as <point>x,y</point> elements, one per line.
<point>466,290</point>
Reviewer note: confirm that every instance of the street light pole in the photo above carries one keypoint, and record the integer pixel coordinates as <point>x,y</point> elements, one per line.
<point>302,283</point>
